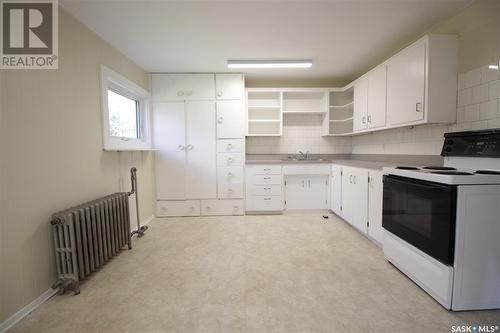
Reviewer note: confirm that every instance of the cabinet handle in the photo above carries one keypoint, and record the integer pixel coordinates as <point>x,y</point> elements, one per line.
<point>219,93</point>
<point>350,179</point>
<point>220,120</point>
<point>309,183</point>
<point>267,188</point>
<point>229,160</point>
<point>418,107</point>
<point>180,93</point>
<point>267,198</point>
<point>189,147</point>
<point>229,174</point>
<point>369,119</point>
<point>363,120</point>
<point>354,179</point>
<point>267,177</point>
<point>229,146</point>
<point>181,147</point>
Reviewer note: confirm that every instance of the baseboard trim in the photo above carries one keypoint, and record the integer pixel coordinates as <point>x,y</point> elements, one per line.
<point>144,222</point>
<point>19,315</point>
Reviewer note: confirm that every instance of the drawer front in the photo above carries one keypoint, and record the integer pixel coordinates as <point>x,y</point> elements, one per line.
<point>266,179</point>
<point>266,169</point>
<point>178,208</point>
<point>222,207</point>
<point>230,159</point>
<point>266,190</point>
<point>230,175</point>
<point>267,203</point>
<point>231,145</point>
<point>230,191</point>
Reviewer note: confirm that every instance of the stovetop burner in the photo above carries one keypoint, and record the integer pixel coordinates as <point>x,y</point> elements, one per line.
<point>453,173</point>
<point>407,168</point>
<point>438,168</point>
<point>487,172</point>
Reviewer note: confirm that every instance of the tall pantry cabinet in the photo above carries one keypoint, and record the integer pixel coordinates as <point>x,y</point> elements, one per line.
<point>198,125</point>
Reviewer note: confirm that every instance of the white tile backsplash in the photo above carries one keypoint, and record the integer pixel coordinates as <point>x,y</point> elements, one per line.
<point>478,107</point>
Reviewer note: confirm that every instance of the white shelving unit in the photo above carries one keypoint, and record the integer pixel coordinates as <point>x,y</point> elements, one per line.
<point>339,119</point>
<point>266,107</point>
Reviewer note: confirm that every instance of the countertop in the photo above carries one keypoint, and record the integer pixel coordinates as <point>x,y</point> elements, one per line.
<point>346,160</point>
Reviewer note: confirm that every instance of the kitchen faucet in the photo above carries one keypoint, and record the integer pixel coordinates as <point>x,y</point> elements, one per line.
<point>304,156</point>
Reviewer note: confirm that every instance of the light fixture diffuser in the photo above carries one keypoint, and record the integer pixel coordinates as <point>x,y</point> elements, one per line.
<point>269,63</point>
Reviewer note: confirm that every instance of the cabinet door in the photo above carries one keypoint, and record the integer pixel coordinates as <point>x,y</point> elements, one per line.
<point>406,85</point>
<point>230,86</point>
<point>336,190</point>
<point>295,192</point>
<point>171,87</point>
<point>231,119</point>
<point>375,190</point>
<point>169,138</point>
<point>317,192</point>
<point>355,197</point>
<point>201,168</point>
<point>360,104</point>
<point>377,88</point>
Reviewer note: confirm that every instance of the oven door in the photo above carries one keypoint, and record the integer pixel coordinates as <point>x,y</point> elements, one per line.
<point>421,213</point>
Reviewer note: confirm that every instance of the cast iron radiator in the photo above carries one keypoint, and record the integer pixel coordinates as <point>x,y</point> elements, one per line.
<point>87,236</point>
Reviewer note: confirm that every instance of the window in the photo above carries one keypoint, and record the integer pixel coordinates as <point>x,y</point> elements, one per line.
<point>125,105</point>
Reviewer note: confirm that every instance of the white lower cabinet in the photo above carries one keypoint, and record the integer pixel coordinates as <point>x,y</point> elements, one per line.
<point>375,191</point>
<point>178,208</point>
<point>356,196</point>
<point>306,192</point>
<point>264,188</point>
<point>222,207</point>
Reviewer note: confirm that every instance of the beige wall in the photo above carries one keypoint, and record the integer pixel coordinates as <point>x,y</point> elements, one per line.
<point>52,156</point>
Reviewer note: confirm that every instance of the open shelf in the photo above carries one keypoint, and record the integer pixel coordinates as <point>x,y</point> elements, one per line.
<point>264,99</point>
<point>348,105</point>
<point>339,119</point>
<point>264,128</point>
<point>305,102</point>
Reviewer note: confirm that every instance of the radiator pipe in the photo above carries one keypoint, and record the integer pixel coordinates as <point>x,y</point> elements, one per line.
<point>133,179</point>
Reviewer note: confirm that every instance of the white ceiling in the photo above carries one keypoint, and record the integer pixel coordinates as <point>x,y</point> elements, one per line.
<point>344,38</point>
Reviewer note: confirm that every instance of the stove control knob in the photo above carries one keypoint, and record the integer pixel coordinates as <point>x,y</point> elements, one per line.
<point>449,141</point>
<point>447,149</point>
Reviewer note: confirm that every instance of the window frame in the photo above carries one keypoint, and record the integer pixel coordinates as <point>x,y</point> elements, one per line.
<point>110,80</point>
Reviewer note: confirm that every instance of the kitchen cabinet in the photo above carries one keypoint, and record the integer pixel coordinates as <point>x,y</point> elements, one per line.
<point>184,133</point>
<point>375,191</point>
<point>222,207</point>
<point>306,192</point>
<point>178,208</point>
<point>230,86</point>
<point>406,85</point>
<point>360,107</point>
<point>377,86</point>
<point>264,188</point>
<point>231,119</point>
<point>336,190</point>
<point>180,87</point>
<point>355,197</point>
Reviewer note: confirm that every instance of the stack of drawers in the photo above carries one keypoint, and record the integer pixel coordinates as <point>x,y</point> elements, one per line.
<point>230,179</point>
<point>264,188</point>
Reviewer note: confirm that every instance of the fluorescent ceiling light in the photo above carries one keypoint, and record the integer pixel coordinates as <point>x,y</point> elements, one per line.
<point>493,66</point>
<point>269,63</point>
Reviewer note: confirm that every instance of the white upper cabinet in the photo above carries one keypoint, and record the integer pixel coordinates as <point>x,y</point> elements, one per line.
<point>229,86</point>
<point>177,87</point>
<point>360,104</point>
<point>377,87</point>
<point>231,119</point>
<point>406,85</point>
<point>422,82</point>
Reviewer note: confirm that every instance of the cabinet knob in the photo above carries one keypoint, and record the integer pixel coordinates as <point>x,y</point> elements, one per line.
<point>369,119</point>
<point>181,147</point>
<point>189,147</point>
<point>180,93</point>
<point>220,120</point>
<point>219,93</point>
<point>229,146</point>
<point>229,174</point>
<point>229,159</point>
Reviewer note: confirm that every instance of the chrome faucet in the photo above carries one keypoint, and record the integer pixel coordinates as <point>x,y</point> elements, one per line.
<point>304,156</point>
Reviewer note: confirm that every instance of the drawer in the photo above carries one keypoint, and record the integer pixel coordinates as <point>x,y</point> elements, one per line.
<point>230,159</point>
<point>266,190</point>
<point>266,179</point>
<point>222,207</point>
<point>230,191</point>
<point>178,208</point>
<point>266,169</point>
<point>266,203</point>
<point>231,145</point>
<point>230,175</point>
